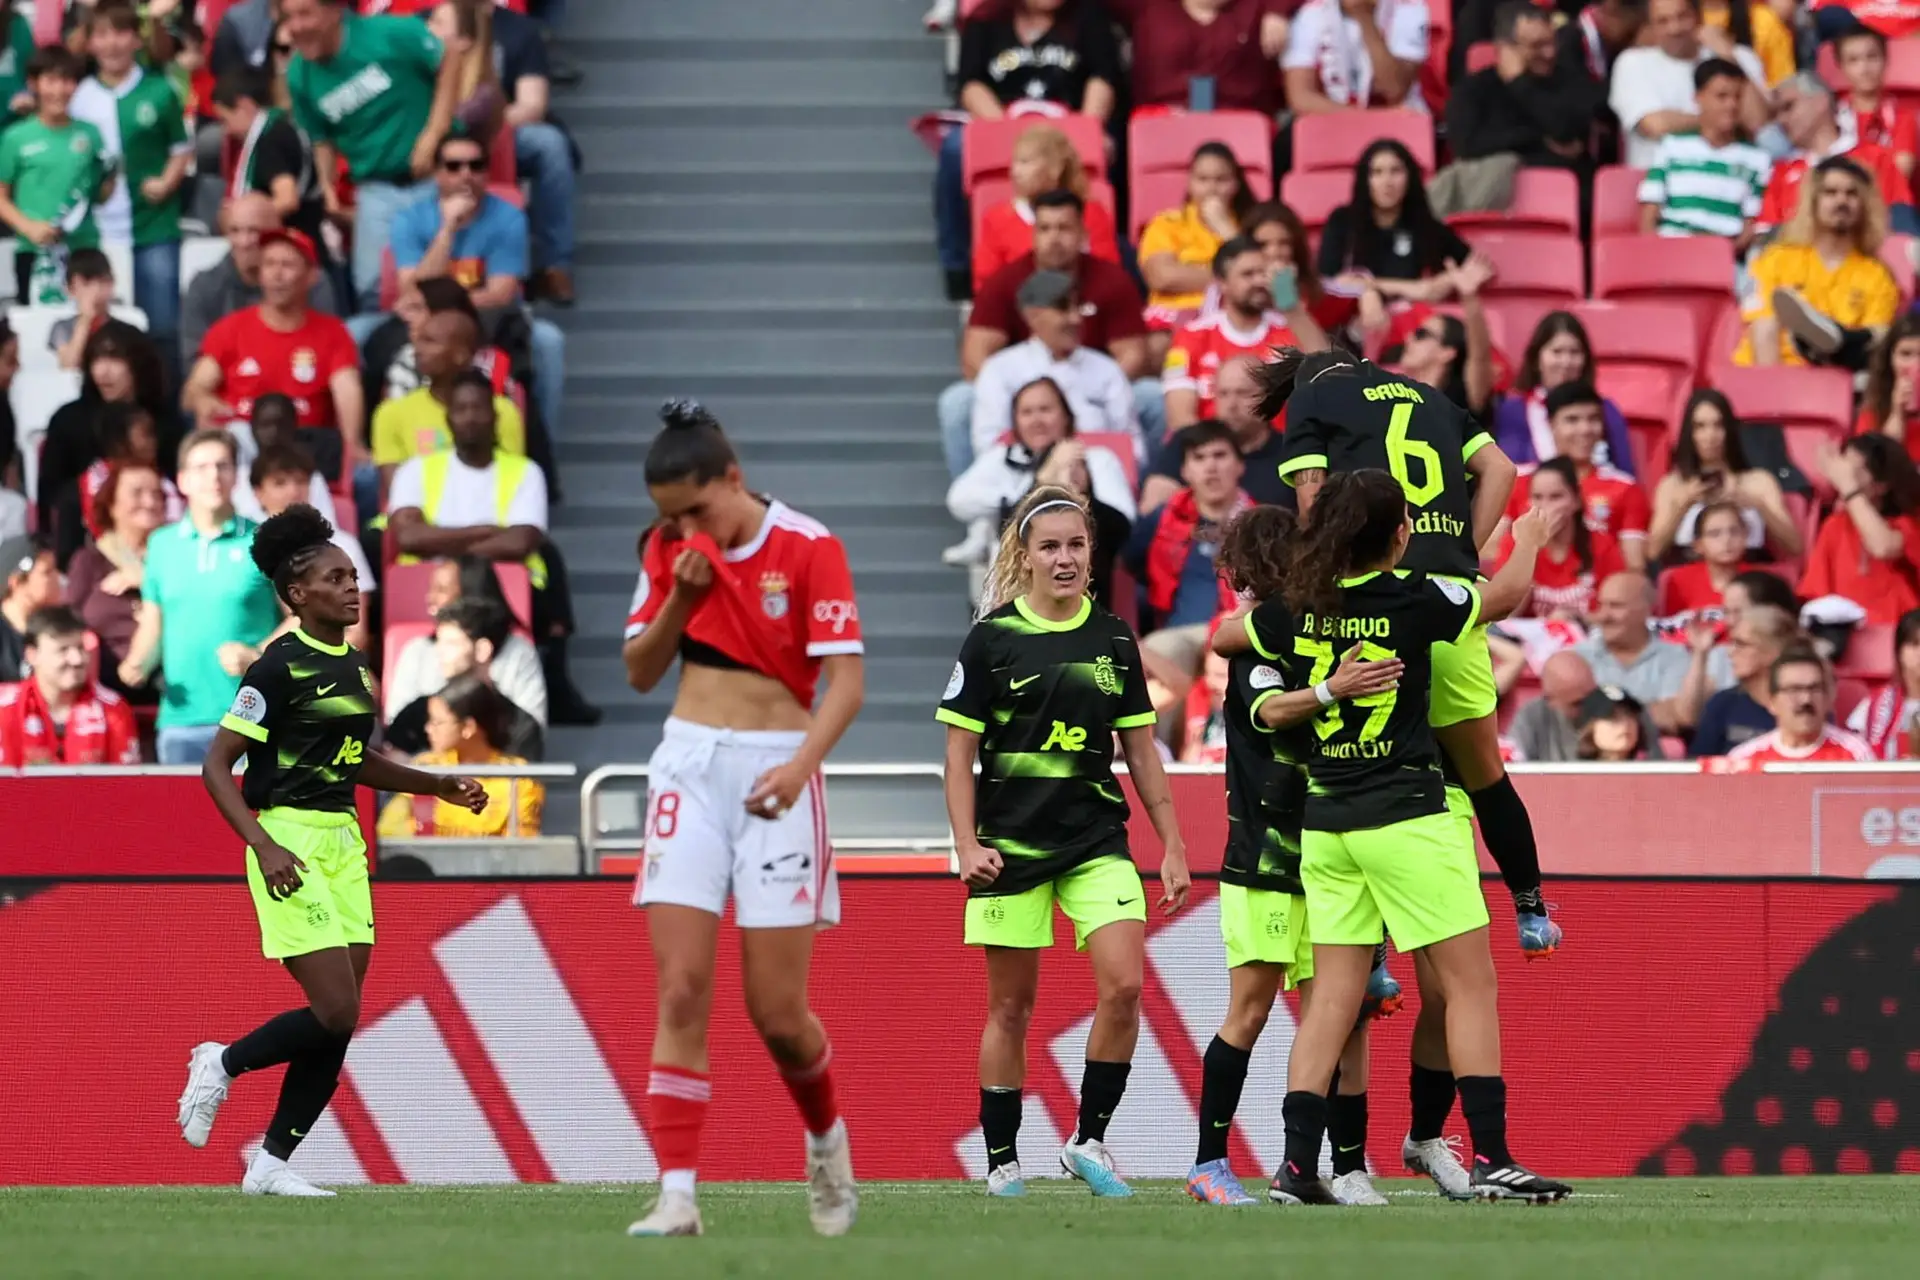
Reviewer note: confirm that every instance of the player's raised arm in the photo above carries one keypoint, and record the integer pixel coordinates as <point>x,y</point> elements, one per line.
<point>1496,474</point>
<point>1514,582</point>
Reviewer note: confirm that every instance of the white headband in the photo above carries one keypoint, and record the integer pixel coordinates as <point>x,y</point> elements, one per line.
<point>1056,502</point>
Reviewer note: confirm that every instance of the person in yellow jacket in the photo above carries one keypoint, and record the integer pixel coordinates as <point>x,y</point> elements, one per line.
<point>476,498</point>
<point>463,726</point>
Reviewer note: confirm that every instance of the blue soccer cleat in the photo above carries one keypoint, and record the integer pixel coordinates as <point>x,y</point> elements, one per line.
<point>1383,998</point>
<point>1089,1162</point>
<point>1005,1183</point>
<point>1214,1183</point>
<point>1539,936</point>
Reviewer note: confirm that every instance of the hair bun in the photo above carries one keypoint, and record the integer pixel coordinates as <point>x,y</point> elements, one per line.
<point>684,415</point>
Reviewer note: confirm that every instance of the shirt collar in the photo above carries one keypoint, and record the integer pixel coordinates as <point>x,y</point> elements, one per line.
<point>190,532</point>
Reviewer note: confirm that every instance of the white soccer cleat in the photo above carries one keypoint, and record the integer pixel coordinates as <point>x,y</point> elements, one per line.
<point>275,1178</point>
<point>206,1089</point>
<point>833,1202</point>
<point>1439,1160</point>
<point>1005,1183</point>
<point>673,1214</point>
<point>1092,1163</point>
<point>1357,1188</point>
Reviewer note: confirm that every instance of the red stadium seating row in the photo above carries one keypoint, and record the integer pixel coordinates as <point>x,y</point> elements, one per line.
<point>404,592</point>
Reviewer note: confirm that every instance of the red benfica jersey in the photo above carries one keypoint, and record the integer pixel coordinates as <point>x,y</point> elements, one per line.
<point>778,605</point>
<point>255,359</point>
<point>100,728</point>
<point>1200,348</point>
<point>1834,744</point>
<point>1616,504</point>
<point>1560,584</point>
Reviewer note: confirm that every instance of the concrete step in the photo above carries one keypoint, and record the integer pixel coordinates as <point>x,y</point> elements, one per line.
<point>752,421</point>
<point>785,111</point>
<point>744,285</point>
<point>647,388</point>
<point>678,174</point>
<point>850,249</point>
<point>654,213</point>
<point>734,71</point>
<point>620,146</point>
<point>750,346</point>
<point>808,485</point>
<point>799,315</point>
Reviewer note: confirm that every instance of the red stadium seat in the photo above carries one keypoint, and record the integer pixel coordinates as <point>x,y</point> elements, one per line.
<point>1543,200</point>
<point>1120,444</point>
<point>398,636</point>
<point>1616,201</point>
<point>404,592</point>
<point>1869,655</point>
<point>1160,147</point>
<point>1903,72</point>
<point>1897,252</point>
<point>1314,196</point>
<point>1814,407</point>
<point>1641,335</point>
<point>1336,139</point>
<point>986,149</point>
<point>1848,693</point>
<point>389,279</point>
<point>1652,402</point>
<point>1694,271</point>
<point>1533,267</point>
<point>1481,54</point>
<point>1723,341</point>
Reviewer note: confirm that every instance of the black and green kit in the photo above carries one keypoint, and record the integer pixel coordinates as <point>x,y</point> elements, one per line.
<point>1266,781</point>
<point>1045,698</point>
<point>307,709</point>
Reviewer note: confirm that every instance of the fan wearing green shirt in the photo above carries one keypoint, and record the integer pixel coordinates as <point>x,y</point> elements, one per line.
<point>144,126</point>
<point>14,56</point>
<point>53,169</point>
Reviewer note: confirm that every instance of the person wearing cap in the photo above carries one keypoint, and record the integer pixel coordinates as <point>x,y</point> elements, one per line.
<point>1096,388</point>
<point>284,345</point>
<point>1613,727</point>
<point>1547,729</point>
<point>29,580</point>
<point>233,284</point>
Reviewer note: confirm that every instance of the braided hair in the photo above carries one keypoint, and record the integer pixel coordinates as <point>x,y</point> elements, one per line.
<point>287,545</point>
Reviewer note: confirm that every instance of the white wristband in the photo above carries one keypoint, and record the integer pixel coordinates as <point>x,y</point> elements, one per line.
<point>1323,693</point>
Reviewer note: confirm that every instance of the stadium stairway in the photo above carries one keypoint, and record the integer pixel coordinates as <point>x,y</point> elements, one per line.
<point>756,232</point>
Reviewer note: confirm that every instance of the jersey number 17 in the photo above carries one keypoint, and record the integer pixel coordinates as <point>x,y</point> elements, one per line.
<point>1379,705</point>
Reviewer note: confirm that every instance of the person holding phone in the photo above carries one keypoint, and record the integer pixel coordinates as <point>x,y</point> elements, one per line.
<point>1709,465</point>
<point>1260,309</point>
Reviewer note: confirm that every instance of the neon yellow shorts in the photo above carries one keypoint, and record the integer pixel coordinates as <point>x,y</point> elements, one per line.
<point>1265,926</point>
<point>1091,895</point>
<point>334,906</point>
<point>1463,687</point>
<point>1420,878</point>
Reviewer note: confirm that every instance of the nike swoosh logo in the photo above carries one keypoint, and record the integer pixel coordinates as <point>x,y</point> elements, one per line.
<point>1221,1124</point>
<point>994,1151</point>
<point>1355,1147</point>
<point>296,1133</point>
<point>1019,684</point>
<point>326,689</point>
<point>1127,902</point>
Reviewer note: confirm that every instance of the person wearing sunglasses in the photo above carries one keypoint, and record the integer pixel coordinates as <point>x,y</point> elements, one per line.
<point>464,231</point>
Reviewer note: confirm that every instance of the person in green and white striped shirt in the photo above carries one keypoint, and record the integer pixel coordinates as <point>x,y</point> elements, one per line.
<point>1708,182</point>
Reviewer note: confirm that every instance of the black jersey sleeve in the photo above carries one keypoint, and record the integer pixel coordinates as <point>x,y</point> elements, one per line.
<point>1306,438</point>
<point>1255,681</point>
<point>1269,625</point>
<point>1136,705</point>
<point>1448,609</point>
<point>264,692</point>
<point>968,701</point>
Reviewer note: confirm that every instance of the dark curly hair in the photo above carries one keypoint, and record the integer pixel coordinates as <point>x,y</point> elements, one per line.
<point>1255,551</point>
<point>287,545</point>
<point>1355,518</point>
<point>692,446</point>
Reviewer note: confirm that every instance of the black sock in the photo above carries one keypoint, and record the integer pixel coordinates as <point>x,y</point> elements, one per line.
<point>1223,1075</point>
<point>277,1040</point>
<point>304,1093</point>
<point>1508,833</point>
<point>1432,1093</point>
<point>1101,1088</point>
<point>1305,1116</point>
<point>1347,1126</point>
<point>1483,1101</point>
<point>1000,1123</point>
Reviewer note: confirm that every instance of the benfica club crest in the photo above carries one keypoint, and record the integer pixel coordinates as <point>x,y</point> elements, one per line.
<point>773,595</point>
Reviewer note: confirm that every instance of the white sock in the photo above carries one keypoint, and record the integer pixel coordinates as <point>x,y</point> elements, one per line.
<point>676,1180</point>
<point>820,1143</point>
<point>265,1162</point>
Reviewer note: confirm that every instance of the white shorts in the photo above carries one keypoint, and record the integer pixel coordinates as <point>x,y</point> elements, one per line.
<point>701,841</point>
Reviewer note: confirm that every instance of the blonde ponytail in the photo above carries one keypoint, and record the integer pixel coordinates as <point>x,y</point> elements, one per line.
<point>1011,574</point>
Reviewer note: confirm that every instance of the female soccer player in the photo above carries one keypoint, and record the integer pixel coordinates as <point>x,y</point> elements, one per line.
<point>303,717</point>
<point>756,599</point>
<point>1045,680</point>
<point>1263,917</point>
<point>1379,842</point>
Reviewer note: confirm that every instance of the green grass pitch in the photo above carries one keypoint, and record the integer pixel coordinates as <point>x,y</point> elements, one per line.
<point>1751,1229</point>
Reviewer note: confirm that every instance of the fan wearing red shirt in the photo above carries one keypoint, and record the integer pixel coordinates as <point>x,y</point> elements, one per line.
<point>1699,586</point>
<point>1806,114</point>
<point>756,599</point>
<point>1614,501</point>
<point>1800,695</point>
<point>282,345</point>
<point>1573,564</point>
<point>1893,19</point>
<point>1868,550</point>
<point>1871,112</point>
<point>59,714</point>
<point>1245,325</point>
<point>1891,405</point>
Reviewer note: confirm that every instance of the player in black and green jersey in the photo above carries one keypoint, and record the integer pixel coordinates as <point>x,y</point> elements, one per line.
<point>304,720</point>
<point>1380,844</point>
<point>1045,680</point>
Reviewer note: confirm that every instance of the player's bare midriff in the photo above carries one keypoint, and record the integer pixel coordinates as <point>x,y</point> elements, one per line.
<point>743,700</point>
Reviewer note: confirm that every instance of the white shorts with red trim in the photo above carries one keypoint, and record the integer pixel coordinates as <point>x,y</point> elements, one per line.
<point>702,843</point>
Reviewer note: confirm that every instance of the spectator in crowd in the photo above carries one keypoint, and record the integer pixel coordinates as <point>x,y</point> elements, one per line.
<point>1384,247</point>
<point>11,480</point>
<point>515,668</point>
<point>243,38</point>
<point>1231,44</point>
<point>1611,728</point>
<point>1172,549</point>
<point>1557,353</point>
<point>1025,56</point>
<point>118,366</point>
<point>415,425</point>
<point>1236,404</point>
<point>1709,464</point>
<point>1578,558</point>
<point>1591,40</point>
<point>1453,353</point>
<point>1097,390</point>
<point>1708,180</point>
<point>464,29</point>
<point>1805,111</point>
<point>1043,160</point>
<point>1283,238</point>
<point>467,635</point>
<point>1043,451</point>
<point>1653,92</point>
<point>90,288</point>
<point>1699,586</point>
<point>1547,729</point>
<point>1525,103</point>
<point>542,153</point>
<point>1751,24</point>
<point>16,52</point>
<point>1249,321</point>
<point>127,437</point>
<point>1622,651</point>
<point>1178,245</point>
<point>205,610</point>
<point>1612,500</point>
<point>1346,56</point>
<point>1750,591</point>
<point>1205,738</point>
<point>1870,113</point>
<point>29,580</point>
<point>283,475</point>
<point>389,358</point>
<point>143,125</point>
<point>1892,399</point>
<point>283,345</point>
<point>1800,695</point>
<point>52,172</point>
<point>275,161</point>
<point>275,426</point>
<point>465,724</point>
<point>104,577</point>
<point>233,284</point>
<point>243,42</point>
<point>1868,550</point>
<point>58,714</point>
<point>1741,710</point>
<point>377,92</point>
<point>1890,719</point>
<point>1820,293</point>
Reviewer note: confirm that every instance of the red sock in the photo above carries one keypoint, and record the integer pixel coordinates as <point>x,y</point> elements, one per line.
<point>676,1110</point>
<point>812,1090</point>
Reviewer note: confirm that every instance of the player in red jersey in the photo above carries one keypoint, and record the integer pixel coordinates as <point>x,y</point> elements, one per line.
<point>756,599</point>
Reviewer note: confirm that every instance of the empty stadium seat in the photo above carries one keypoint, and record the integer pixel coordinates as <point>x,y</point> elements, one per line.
<point>199,254</point>
<point>1848,693</point>
<point>1481,54</point>
<point>397,637</point>
<point>1897,252</point>
<point>1694,271</point>
<point>1314,196</point>
<point>1903,73</point>
<point>404,592</point>
<point>1336,139</point>
<point>35,396</point>
<point>1652,402</point>
<point>1120,444</point>
<point>986,149</point>
<point>1869,655</point>
<point>1160,148</point>
<point>1813,406</point>
<point>1543,200</point>
<point>1532,266</point>
<point>1641,335</point>
<point>33,326</point>
<point>1616,201</point>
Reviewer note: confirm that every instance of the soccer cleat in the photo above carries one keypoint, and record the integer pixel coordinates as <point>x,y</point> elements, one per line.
<point>1439,1159</point>
<point>1090,1162</point>
<point>833,1202</point>
<point>1539,936</point>
<point>673,1214</point>
<point>1214,1183</point>
<point>1383,998</point>
<point>206,1089</point>
<point>1004,1181</point>
<point>1289,1186</point>
<point>1357,1188</point>
<point>1512,1182</point>
<point>276,1179</point>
